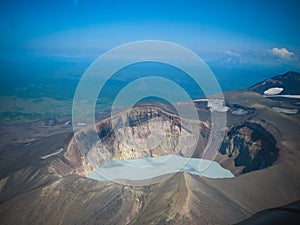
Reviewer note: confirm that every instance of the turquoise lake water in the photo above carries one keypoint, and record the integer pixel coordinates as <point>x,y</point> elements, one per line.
<point>145,168</point>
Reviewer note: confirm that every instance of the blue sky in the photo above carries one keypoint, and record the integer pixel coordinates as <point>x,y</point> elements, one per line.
<point>83,28</point>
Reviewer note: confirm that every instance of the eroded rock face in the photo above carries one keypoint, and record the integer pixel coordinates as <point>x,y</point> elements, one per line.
<point>139,132</point>
<point>252,146</point>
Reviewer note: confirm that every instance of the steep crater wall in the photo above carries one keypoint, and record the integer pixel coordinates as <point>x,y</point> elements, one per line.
<point>137,133</point>
<point>251,146</point>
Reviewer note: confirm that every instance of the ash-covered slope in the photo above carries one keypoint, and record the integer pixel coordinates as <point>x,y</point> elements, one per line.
<point>181,199</point>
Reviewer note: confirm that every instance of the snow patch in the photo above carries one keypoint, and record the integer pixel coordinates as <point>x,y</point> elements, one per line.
<point>239,112</point>
<point>286,111</point>
<point>217,105</point>
<point>282,96</point>
<point>67,123</point>
<point>273,91</point>
<point>52,154</point>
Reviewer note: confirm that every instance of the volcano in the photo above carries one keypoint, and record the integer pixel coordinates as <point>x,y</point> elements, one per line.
<point>45,170</point>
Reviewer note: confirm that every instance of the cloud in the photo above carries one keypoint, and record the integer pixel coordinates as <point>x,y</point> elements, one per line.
<point>232,53</point>
<point>282,53</point>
